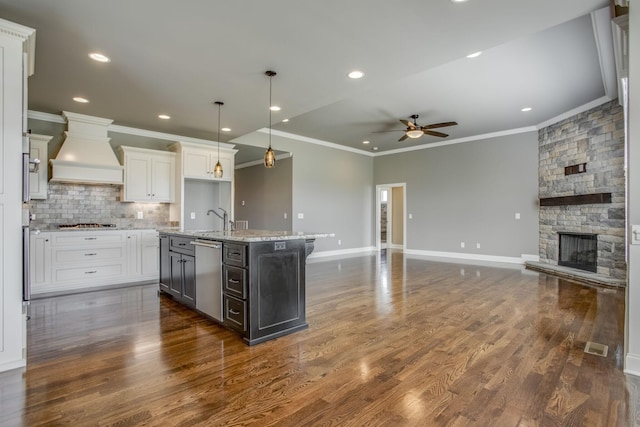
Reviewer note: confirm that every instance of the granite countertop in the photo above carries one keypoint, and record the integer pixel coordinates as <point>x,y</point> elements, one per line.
<point>246,235</point>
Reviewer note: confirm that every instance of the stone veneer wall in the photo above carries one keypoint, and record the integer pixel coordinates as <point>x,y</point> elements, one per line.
<point>594,137</point>
<point>76,203</point>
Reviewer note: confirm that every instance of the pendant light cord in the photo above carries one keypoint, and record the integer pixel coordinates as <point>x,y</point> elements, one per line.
<point>270,105</point>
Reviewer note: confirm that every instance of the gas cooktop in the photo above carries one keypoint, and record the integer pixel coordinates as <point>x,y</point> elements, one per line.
<point>84,225</point>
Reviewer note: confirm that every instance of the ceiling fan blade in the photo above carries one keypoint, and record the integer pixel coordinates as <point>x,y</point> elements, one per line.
<point>403,138</point>
<point>435,133</point>
<point>408,124</point>
<point>439,125</point>
<point>394,130</point>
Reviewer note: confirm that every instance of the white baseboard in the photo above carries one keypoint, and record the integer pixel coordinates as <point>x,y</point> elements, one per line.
<point>452,255</point>
<point>466,256</point>
<point>15,364</point>
<point>342,252</point>
<point>632,364</point>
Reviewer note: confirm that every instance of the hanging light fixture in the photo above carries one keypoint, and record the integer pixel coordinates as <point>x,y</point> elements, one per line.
<point>269,155</point>
<point>217,171</point>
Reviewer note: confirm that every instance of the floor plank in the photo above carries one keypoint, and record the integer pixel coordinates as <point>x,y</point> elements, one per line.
<point>393,340</point>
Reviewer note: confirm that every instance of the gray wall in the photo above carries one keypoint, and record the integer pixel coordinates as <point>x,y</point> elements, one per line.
<point>200,196</point>
<point>263,196</point>
<point>333,189</point>
<point>469,193</point>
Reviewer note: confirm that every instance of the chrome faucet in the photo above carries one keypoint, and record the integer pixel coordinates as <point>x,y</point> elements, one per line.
<point>224,217</point>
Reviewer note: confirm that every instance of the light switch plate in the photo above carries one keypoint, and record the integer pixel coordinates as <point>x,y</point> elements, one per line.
<point>193,215</point>
<point>635,234</point>
<point>300,216</point>
<point>140,215</point>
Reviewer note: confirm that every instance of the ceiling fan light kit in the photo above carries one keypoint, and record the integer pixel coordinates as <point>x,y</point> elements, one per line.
<point>414,130</point>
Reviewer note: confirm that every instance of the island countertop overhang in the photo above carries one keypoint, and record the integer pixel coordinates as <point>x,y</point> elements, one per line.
<point>246,236</point>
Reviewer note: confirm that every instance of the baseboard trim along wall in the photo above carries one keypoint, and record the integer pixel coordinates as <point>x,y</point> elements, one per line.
<point>342,252</point>
<point>452,255</point>
<point>632,364</point>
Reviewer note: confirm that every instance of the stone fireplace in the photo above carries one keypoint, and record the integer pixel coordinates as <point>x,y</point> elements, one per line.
<point>582,191</point>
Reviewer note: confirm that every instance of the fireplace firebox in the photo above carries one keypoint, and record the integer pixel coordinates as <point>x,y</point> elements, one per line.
<point>578,250</point>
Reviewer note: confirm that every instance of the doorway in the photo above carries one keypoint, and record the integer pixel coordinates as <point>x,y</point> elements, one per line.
<point>390,222</point>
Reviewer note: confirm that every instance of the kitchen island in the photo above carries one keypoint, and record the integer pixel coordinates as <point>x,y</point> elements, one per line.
<point>263,287</point>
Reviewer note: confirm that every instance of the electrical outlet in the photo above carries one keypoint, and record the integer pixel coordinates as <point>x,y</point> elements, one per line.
<point>410,216</point>
<point>140,215</point>
<point>193,215</point>
<point>635,234</point>
<point>478,245</point>
<point>339,242</point>
<point>462,244</point>
<point>285,215</point>
<point>243,203</point>
<point>517,215</point>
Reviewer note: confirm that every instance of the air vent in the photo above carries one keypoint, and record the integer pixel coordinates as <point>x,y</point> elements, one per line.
<point>596,349</point>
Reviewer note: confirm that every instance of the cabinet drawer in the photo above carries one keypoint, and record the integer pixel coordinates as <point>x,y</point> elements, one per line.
<point>82,256</point>
<point>76,238</point>
<point>234,254</point>
<point>235,313</point>
<point>88,273</point>
<point>235,281</point>
<point>182,245</point>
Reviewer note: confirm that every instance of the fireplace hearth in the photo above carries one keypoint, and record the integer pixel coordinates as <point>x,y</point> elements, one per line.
<point>578,250</point>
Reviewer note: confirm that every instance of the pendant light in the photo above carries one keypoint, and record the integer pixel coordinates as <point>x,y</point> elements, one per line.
<point>269,155</point>
<point>217,171</point>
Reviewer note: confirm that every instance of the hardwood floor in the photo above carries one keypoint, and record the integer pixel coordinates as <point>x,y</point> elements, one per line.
<point>392,341</point>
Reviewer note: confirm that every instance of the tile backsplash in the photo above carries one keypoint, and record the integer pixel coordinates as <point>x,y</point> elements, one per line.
<point>82,203</point>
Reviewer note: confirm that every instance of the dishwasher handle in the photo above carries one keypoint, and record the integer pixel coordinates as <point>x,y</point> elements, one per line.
<point>207,244</point>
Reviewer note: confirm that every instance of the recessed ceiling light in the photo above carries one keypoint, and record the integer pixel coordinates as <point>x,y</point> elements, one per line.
<point>365,142</point>
<point>99,57</point>
<point>525,109</point>
<point>474,54</point>
<point>285,120</point>
<point>225,129</point>
<point>275,108</point>
<point>355,74</point>
<point>164,116</point>
<point>458,1</point>
<point>80,99</point>
<point>375,148</point>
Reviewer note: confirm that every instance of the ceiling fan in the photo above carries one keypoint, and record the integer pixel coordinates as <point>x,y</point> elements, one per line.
<point>414,130</point>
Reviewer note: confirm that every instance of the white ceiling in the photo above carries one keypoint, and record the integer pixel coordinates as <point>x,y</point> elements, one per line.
<point>177,57</point>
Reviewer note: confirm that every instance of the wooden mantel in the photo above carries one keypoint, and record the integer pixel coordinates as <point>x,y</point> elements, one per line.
<point>582,199</point>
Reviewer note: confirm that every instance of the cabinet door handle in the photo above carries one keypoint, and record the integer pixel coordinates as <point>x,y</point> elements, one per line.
<point>232,311</point>
<point>92,254</point>
<point>234,281</point>
<point>90,272</point>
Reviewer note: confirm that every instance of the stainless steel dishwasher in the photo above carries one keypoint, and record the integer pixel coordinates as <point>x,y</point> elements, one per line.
<point>209,278</point>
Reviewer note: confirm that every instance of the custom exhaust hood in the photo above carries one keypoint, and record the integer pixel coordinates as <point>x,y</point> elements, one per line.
<point>86,155</point>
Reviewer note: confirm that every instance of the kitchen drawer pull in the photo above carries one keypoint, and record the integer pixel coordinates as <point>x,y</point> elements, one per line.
<point>234,253</point>
<point>234,281</point>
<point>90,238</point>
<point>91,254</point>
<point>182,244</point>
<point>90,272</point>
<point>232,311</point>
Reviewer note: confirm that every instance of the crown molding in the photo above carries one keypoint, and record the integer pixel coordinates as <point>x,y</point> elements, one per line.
<point>55,118</point>
<point>28,37</point>
<point>575,111</point>
<point>260,162</point>
<point>315,141</point>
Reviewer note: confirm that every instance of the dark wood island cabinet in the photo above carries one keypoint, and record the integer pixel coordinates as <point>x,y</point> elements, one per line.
<point>263,279</point>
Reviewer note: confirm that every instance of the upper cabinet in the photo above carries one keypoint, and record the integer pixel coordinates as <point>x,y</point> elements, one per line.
<point>149,175</point>
<point>38,175</point>
<point>198,161</point>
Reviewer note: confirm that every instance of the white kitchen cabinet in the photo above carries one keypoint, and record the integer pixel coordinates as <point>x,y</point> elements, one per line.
<point>199,163</point>
<point>40,256</point>
<point>81,260</point>
<point>149,175</point>
<point>38,179</point>
<point>150,254</point>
